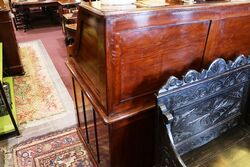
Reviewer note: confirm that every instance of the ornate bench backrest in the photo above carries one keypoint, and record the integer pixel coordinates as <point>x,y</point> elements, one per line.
<point>204,105</point>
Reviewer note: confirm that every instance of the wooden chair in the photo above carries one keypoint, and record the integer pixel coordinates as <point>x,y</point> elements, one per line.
<point>200,108</point>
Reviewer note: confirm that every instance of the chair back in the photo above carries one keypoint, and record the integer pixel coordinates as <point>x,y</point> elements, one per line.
<point>203,105</point>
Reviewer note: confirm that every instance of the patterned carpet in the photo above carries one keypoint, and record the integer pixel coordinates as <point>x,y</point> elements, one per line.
<point>36,95</point>
<point>58,149</point>
<point>44,106</point>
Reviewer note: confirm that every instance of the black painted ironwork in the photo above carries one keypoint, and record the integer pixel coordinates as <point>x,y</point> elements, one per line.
<point>76,103</point>
<point>96,137</point>
<point>3,108</point>
<point>200,107</point>
<point>85,117</point>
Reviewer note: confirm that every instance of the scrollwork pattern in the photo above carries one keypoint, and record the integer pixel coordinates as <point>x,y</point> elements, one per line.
<point>199,90</point>
<point>206,104</point>
<point>217,67</point>
<point>192,120</point>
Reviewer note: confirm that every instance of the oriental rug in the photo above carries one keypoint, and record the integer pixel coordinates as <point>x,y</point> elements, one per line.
<point>37,95</point>
<point>43,106</point>
<point>58,149</point>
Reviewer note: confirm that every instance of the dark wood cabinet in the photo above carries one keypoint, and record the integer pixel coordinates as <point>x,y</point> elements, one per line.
<point>11,60</point>
<point>122,57</point>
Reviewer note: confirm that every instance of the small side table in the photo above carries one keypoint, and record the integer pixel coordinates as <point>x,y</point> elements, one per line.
<point>68,18</point>
<point>8,125</point>
<point>67,7</point>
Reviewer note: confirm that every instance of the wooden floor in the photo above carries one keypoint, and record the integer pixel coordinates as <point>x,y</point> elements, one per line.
<point>230,150</point>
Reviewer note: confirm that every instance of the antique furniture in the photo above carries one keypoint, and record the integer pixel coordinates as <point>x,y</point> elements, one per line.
<point>28,8</point>
<point>68,18</point>
<point>17,17</point>
<point>8,126</point>
<point>70,32</point>
<point>200,107</point>
<point>11,61</point>
<point>66,6</point>
<point>68,11</point>
<point>123,54</point>
<point>24,7</point>
<point>32,3</point>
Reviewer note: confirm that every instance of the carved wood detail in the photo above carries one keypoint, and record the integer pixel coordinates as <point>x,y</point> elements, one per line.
<point>203,105</point>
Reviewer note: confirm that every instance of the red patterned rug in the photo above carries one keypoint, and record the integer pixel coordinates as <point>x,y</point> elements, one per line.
<point>58,149</point>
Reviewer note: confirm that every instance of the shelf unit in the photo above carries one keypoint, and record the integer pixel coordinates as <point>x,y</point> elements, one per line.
<point>8,125</point>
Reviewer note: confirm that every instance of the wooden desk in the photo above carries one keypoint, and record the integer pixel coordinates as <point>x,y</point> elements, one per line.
<point>123,55</point>
<point>48,7</point>
<point>34,3</point>
<point>24,5</point>
<point>43,3</point>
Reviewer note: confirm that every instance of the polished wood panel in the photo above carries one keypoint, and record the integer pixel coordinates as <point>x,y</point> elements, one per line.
<point>229,37</point>
<point>91,54</point>
<point>12,63</point>
<point>132,139</point>
<point>143,54</point>
<point>32,3</point>
<point>121,56</point>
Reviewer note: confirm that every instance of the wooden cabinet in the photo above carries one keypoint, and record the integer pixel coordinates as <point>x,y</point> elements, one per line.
<point>122,57</point>
<point>11,60</point>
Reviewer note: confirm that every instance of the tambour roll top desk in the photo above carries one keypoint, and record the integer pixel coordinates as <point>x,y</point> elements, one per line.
<point>122,56</point>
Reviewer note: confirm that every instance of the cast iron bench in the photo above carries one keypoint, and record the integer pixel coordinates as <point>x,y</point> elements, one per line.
<point>199,108</point>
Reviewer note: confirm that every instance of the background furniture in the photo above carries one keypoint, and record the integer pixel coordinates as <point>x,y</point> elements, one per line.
<point>199,108</point>
<point>68,18</point>
<point>67,6</point>
<point>122,56</point>
<point>29,8</point>
<point>70,32</point>
<point>17,17</point>
<point>31,3</point>
<point>11,61</point>
<point>68,11</point>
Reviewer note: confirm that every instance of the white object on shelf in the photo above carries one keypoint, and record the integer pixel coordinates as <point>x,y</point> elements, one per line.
<point>117,2</point>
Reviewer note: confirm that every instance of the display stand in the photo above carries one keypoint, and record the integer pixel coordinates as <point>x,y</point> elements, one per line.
<point>8,126</point>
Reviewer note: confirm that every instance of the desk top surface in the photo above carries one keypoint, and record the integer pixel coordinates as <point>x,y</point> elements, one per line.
<point>69,2</point>
<point>30,2</point>
<point>69,16</point>
<point>150,5</point>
